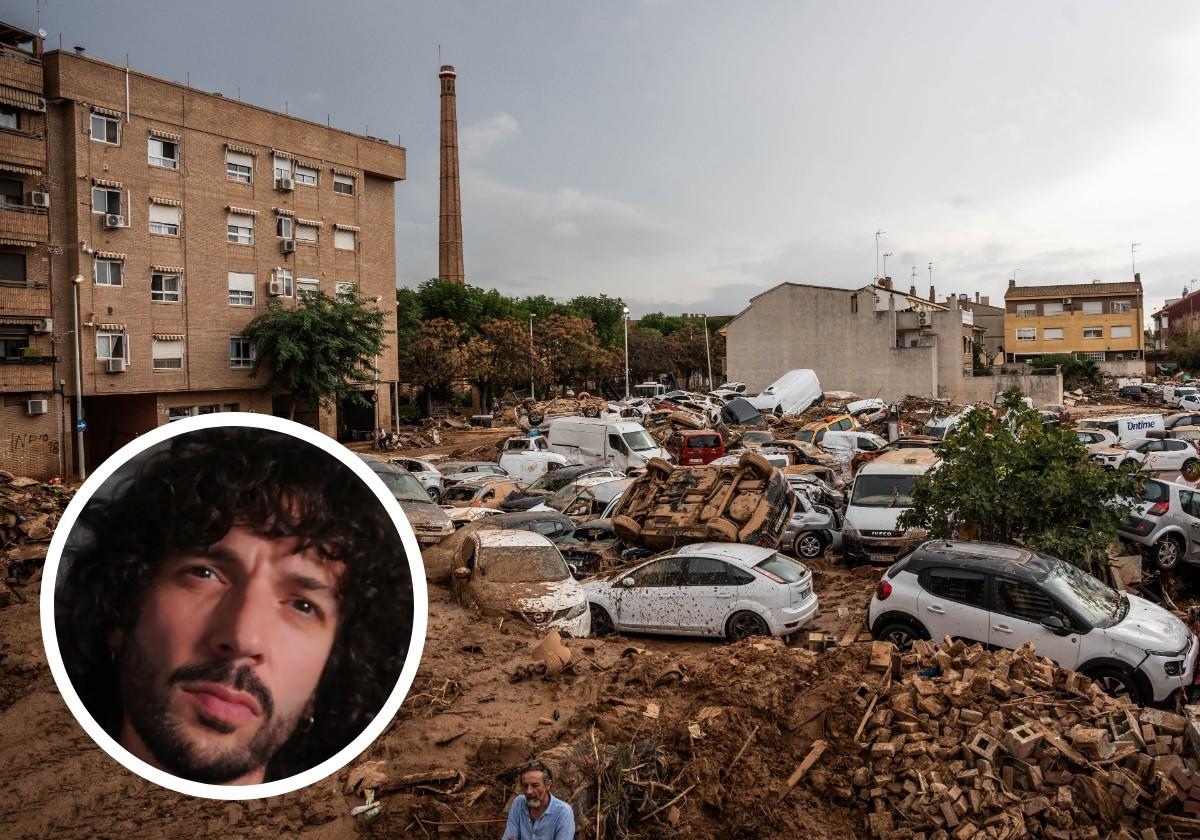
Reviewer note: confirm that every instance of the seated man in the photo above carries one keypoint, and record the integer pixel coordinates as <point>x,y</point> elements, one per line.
<point>537,814</point>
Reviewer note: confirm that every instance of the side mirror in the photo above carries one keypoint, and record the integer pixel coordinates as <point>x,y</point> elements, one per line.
<point>462,572</point>
<point>1055,625</point>
<point>627,583</point>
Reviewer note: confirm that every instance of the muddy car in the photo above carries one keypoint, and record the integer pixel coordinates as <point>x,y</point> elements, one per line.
<point>521,575</point>
<point>582,405</point>
<point>488,492</point>
<point>429,522</point>
<point>749,502</point>
<point>802,453</point>
<point>813,529</point>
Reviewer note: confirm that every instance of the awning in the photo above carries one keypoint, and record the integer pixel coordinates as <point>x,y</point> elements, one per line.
<point>168,336</point>
<point>349,173</point>
<point>104,182</point>
<point>165,135</point>
<point>108,112</point>
<point>109,255</point>
<point>111,327</point>
<point>170,202</point>
<point>284,155</point>
<point>21,99</point>
<point>245,150</point>
<point>167,269</point>
<point>16,167</point>
<point>310,222</point>
<point>345,227</point>
<point>241,211</point>
<point>308,164</point>
<point>281,211</point>
<point>20,319</point>
<point>19,243</point>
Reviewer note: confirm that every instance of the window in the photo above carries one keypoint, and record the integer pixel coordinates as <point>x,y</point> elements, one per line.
<point>1093,307</point>
<point>11,192</point>
<point>343,240</point>
<point>106,129</point>
<point>306,175</point>
<point>344,288</point>
<point>111,345</point>
<point>239,166</point>
<point>343,184</point>
<point>241,289</point>
<point>665,572</point>
<point>164,219</point>
<point>107,272</point>
<point>283,276</point>
<point>1026,310</point>
<point>1052,334</point>
<point>1027,335</point>
<point>1052,308</point>
<point>179,412</point>
<point>240,229</point>
<point>956,585</point>
<point>231,407</point>
<point>1022,600</point>
<point>241,352</point>
<point>105,200</point>
<point>210,409</point>
<point>10,117</point>
<point>12,269</point>
<point>1093,332</point>
<point>162,153</point>
<point>167,355</point>
<point>13,341</point>
<point>1092,356</point>
<point>1121,332</point>
<point>1119,306</point>
<point>284,226</point>
<point>167,287</point>
<point>283,168</point>
<point>307,287</point>
<point>705,571</point>
<point>306,233</point>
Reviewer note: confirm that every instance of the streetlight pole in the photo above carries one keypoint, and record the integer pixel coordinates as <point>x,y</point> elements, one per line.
<point>79,453</point>
<point>707,353</point>
<point>531,359</point>
<point>625,312</point>
<point>878,234</point>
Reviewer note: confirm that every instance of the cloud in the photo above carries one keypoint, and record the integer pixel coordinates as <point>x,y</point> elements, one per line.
<point>565,230</point>
<point>477,139</point>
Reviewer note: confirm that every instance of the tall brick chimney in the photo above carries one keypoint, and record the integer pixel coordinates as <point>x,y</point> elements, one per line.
<point>450,250</point>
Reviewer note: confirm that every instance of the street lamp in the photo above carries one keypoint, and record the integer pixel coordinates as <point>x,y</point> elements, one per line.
<point>625,312</point>
<point>707,354</point>
<point>531,359</point>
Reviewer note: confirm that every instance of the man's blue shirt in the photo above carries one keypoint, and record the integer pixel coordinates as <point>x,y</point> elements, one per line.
<point>557,822</point>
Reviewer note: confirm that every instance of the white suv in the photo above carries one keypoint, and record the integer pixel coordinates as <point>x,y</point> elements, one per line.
<point>1004,596</point>
<point>1149,453</point>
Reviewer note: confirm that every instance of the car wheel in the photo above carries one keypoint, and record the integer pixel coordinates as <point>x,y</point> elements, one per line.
<point>627,529</point>
<point>900,633</point>
<point>779,411</point>
<point>809,545</point>
<point>1115,683</point>
<point>756,463</point>
<point>658,468</point>
<point>602,623</point>
<point>536,418</point>
<point>434,495</point>
<point>591,411</point>
<point>1191,469</point>
<point>722,530</point>
<point>743,625</point>
<point>1167,552</point>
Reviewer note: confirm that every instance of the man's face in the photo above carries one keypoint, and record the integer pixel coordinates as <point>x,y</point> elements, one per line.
<point>536,789</point>
<point>226,655</point>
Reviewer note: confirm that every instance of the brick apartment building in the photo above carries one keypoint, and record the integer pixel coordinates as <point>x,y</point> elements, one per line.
<point>183,213</point>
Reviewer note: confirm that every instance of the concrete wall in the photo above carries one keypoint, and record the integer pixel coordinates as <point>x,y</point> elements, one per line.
<point>1127,367</point>
<point>1044,390</point>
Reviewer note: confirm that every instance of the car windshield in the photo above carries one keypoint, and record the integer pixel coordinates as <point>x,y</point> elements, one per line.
<point>561,499</point>
<point>703,441</point>
<point>1155,491</point>
<point>784,568</point>
<point>757,437</point>
<point>884,491</point>
<point>403,486</point>
<point>1100,604</point>
<point>639,441</point>
<point>523,564</point>
<point>805,437</point>
<point>549,483</point>
<point>460,493</point>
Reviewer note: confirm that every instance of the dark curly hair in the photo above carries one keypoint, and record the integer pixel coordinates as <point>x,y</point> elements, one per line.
<point>187,494</point>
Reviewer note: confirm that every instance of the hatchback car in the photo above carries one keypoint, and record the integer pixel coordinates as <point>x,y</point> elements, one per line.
<point>706,589</point>
<point>1185,418</point>
<point>552,482</point>
<point>429,522</point>
<point>1004,596</point>
<point>1150,454</point>
<point>455,471</point>
<point>486,491</point>
<point>812,529</point>
<point>429,476</point>
<point>1096,439</point>
<point>1165,523</point>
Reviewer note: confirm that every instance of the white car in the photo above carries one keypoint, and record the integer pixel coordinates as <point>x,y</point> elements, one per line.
<point>1004,596</point>
<point>1149,453</point>
<point>1190,403</point>
<point>707,589</point>
<point>429,476</point>
<point>1096,439</point>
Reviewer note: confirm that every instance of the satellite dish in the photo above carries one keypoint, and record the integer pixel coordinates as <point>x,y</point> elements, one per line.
<point>41,33</point>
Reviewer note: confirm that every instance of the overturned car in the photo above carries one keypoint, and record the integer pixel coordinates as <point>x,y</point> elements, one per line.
<point>748,502</point>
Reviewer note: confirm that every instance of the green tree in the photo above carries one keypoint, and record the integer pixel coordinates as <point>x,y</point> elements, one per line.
<point>606,314</point>
<point>320,350</point>
<point>567,346</point>
<point>1183,341</point>
<point>497,358</point>
<point>1011,480</point>
<point>1076,372</point>
<point>437,358</point>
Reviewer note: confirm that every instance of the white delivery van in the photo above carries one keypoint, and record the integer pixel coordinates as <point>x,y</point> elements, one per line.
<point>529,458</point>
<point>1172,394</point>
<point>791,393</point>
<point>882,491</point>
<point>622,444</point>
<point>1126,427</point>
<point>650,390</point>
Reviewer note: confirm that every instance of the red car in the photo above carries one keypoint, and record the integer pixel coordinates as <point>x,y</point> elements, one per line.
<point>692,448</point>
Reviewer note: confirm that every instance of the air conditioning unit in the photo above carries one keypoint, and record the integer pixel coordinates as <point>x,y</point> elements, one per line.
<point>285,184</point>
<point>923,318</point>
<point>37,407</point>
<point>39,199</point>
<point>44,326</point>
<point>112,220</point>
<point>116,366</point>
<point>275,288</point>
<point>287,246</point>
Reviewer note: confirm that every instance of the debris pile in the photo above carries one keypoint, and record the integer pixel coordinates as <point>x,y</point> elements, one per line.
<point>29,512</point>
<point>1008,745</point>
<point>535,413</point>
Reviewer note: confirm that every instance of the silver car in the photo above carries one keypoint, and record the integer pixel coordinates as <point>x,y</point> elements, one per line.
<point>425,473</point>
<point>812,529</point>
<point>1165,523</point>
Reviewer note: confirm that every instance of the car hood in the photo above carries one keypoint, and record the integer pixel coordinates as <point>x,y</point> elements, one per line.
<point>1148,626</point>
<point>1114,450</point>
<point>560,595</point>
<point>873,518</point>
<point>522,501</point>
<point>420,513</point>
<point>534,598</point>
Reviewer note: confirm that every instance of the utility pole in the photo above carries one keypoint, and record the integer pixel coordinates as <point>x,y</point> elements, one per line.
<point>625,312</point>
<point>707,353</point>
<point>531,358</point>
<point>878,234</point>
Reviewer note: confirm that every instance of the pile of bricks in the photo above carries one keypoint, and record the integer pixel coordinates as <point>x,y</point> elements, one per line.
<point>961,743</point>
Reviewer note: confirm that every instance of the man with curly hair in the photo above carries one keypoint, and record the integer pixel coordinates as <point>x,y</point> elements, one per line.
<point>238,609</point>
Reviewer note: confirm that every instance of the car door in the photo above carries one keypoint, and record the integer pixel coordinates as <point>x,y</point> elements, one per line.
<point>649,603</point>
<point>1189,518</point>
<point>706,598</point>
<point>953,602</point>
<point>1174,453</point>
<point>1018,608</point>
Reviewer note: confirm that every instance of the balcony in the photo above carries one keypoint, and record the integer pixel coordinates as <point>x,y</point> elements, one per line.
<point>20,70</point>
<point>21,374</point>
<point>27,224</point>
<point>25,300</point>
<point>23,147</point>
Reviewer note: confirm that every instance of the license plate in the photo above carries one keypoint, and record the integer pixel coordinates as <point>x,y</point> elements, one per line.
<point>804,592</point>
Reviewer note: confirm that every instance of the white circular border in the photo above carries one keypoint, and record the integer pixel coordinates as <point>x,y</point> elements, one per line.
<point>416,643</point>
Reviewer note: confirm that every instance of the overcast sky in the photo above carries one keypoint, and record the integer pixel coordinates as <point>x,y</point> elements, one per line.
<point>688,155</point>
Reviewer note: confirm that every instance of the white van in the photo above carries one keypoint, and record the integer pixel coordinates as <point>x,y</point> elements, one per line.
<point>1126,427</point>
<point>1172,394</point>
<point>529,458</point>
<point>622,444</point>
<point>650,390</point>
<point>882,491</point>
<point>791,393</point>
